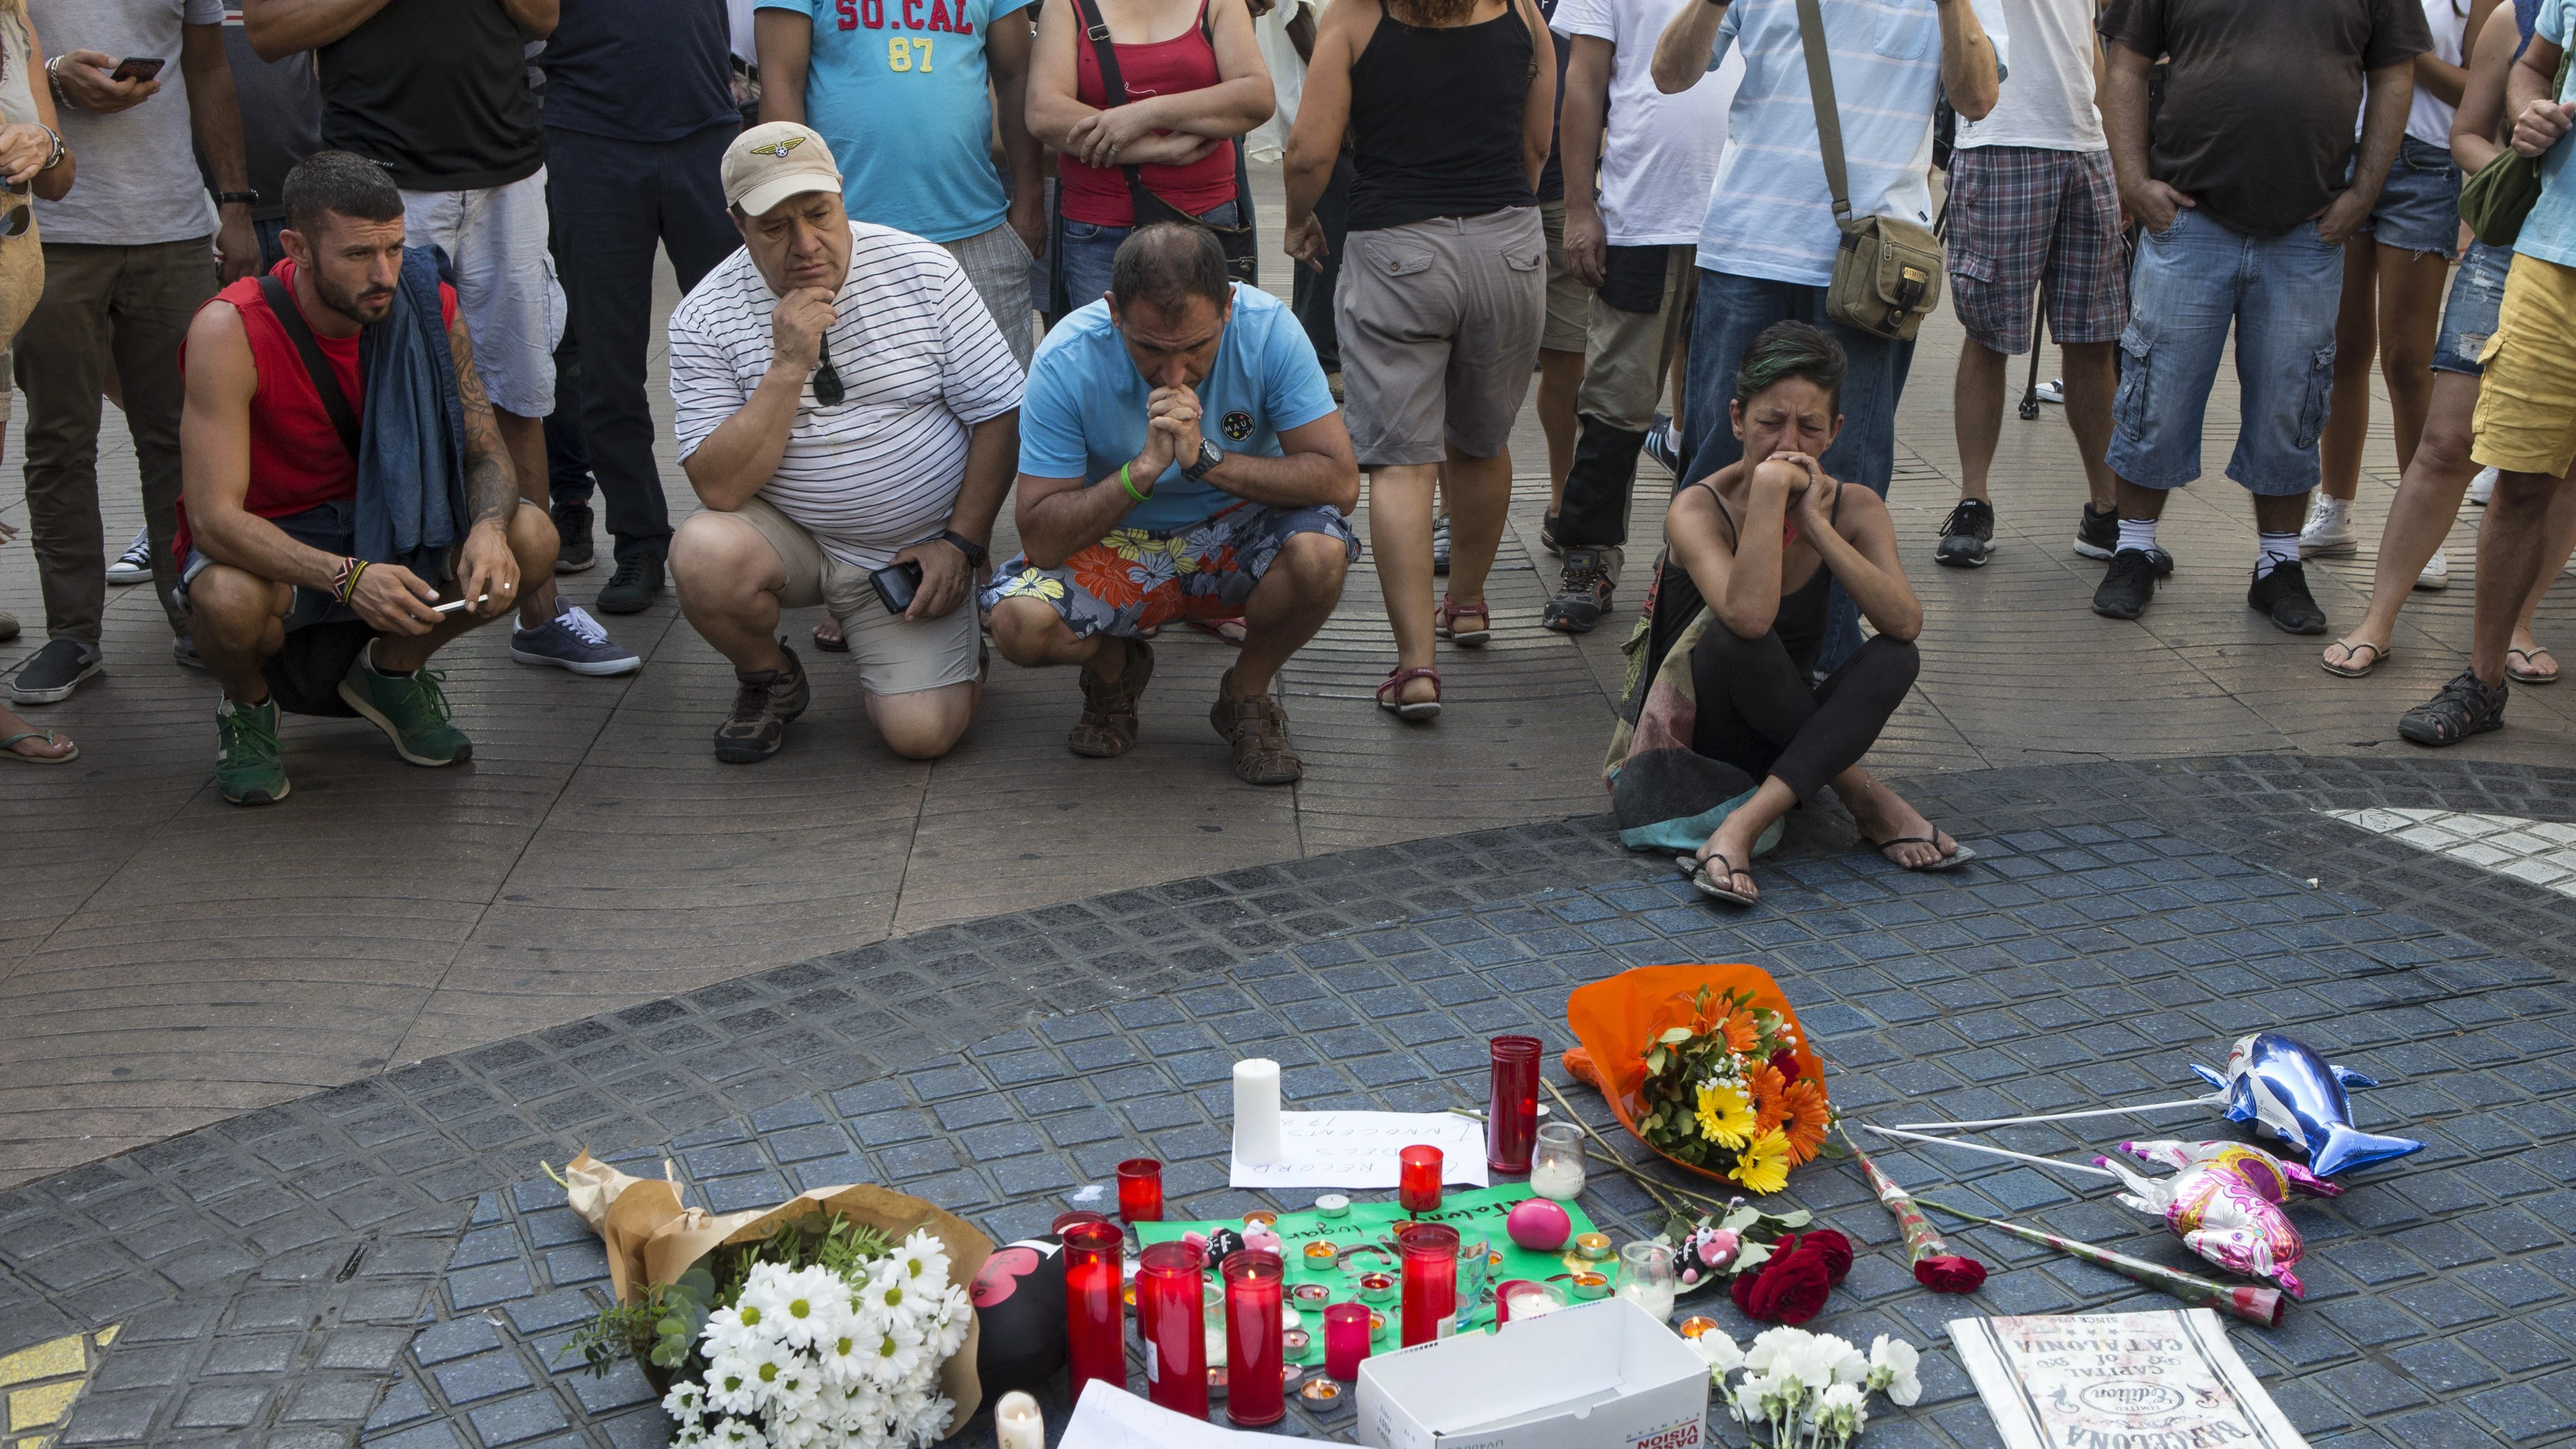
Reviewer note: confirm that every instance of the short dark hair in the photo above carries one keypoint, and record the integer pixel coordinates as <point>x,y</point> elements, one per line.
<point>1168,263</point>
<point>1785,350</point>
<point>339,183</point>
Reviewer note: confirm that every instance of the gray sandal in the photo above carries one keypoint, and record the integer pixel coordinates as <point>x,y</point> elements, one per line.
<point>1708,883</point>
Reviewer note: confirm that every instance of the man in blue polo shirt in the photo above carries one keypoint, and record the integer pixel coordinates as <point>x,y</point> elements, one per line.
<point>1180,458</point>
<point>905,92</point>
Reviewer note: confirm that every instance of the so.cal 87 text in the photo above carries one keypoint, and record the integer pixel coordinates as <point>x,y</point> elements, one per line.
<point>935,15</point>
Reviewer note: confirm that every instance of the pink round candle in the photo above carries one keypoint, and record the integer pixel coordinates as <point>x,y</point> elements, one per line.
<point>1346,1340</point>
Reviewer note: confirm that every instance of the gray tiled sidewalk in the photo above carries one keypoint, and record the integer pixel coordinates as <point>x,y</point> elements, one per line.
<point>2130,918</point>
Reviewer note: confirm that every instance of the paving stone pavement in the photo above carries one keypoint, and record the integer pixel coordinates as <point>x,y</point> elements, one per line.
<point>385,1262</point>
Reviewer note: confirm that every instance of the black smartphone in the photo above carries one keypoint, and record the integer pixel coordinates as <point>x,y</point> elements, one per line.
<point>137,68</point>
<point>896,584</point>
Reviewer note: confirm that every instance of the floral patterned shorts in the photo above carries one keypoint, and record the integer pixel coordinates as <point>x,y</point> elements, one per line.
<point>1134,579</point>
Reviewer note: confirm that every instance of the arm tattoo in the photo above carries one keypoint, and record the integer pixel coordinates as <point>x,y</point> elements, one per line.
<point>490,491</point>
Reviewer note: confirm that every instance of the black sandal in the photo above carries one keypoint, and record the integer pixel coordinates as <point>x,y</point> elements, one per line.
<point>1705,882</point>
<point>1959,854</point>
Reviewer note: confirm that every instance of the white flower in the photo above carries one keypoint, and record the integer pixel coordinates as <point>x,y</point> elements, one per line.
<point>1723,1356</point>
<point>929,1423</point>
<point>1851,1366</point>
<point>1892,1362</point>
<point>1767,1345</point>
<point>895,1355</point>
<point>732,1386</point>
<point>727,1335</point>
<point>844,1358</point>
<point>923,1258</point>
<point>735,1434</point>
<point>1841,1412</point>
<point>686,1401</point>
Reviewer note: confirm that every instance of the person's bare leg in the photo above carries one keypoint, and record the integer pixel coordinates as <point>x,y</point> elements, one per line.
<point>526,440</point>
<point>1882,814</point>
<point>1399,514</point>
<point>924,724</point>
<point>2091,376</point>
<point>2557,543</point>
<point>2411,288</point>
<point>2356,341</point>
<point>1977,413</point>
<point>1291,602</point>
<point>2420,517</point>
<point>237,620</point>
<point>533,544</point>
<point>2140,503</point>
<point>2512,544</point>
<point>1031,634</point>
<point>729,579</point>
<point>1741,830</point>
<point>2280,513</point>
<point>1480,501</point>
<point>1560,376</point>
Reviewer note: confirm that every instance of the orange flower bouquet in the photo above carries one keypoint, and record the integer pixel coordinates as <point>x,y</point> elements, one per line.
<point>1708,1066</point>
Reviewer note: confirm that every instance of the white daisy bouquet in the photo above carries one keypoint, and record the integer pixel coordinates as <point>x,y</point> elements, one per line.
<point>1809,1389</point>
<point>840,1317</point>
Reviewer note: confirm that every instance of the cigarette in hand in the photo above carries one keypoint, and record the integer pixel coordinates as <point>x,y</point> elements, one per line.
<point>450,608</point>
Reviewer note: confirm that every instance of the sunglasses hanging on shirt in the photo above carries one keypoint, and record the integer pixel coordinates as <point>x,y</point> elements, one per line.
<point>827,379</point>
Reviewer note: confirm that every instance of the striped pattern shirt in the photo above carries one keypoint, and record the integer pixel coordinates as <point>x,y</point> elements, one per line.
<point>920,362</point>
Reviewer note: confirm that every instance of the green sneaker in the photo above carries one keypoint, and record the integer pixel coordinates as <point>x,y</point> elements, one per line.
<point>246,764</point>
<point>412,712</point>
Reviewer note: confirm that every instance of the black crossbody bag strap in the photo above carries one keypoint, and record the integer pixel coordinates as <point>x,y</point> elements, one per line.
<point>325,382</point>
<point>1113,94</point>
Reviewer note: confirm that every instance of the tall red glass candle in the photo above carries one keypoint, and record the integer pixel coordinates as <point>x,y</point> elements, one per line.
<point>1140,1191</point>
<point>1095,1306</point>
<point>1255,1363</point>
<point>1168,1276</point>
<point>1346,1340</point>
<point>1417,1180</point>
<point>1511,1107</point>
<point>1430,1281</point>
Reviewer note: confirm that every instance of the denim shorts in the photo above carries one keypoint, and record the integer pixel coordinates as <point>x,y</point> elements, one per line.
<point>1089,248</point>
<point>2419,209</point>
<point>2194,280</point>
<point>2469,318</point>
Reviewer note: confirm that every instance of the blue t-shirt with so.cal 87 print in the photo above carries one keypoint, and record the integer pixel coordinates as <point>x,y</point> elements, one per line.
<point>901,91</point>
<point>1084,411</point>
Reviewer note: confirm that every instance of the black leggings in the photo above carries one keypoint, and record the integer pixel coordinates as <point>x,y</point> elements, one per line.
<point>1758,713</point>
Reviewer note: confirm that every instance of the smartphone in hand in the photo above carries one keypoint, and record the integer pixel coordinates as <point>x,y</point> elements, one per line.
<point>137,68</point>
<point>896,584</point>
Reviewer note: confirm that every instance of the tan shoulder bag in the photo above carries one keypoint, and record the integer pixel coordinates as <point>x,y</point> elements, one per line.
<point>1887,271</point>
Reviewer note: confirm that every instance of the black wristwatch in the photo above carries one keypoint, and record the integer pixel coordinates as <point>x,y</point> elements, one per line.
<point>227,198</point>
<point>974,551</point>
<point>1209,456</point>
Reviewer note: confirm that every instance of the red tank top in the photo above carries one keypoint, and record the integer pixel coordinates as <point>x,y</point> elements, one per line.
<point>296,459</point>
<point>1186,62</point>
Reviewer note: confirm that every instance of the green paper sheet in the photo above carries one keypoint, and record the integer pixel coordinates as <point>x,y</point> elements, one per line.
<point>1475,1213</point>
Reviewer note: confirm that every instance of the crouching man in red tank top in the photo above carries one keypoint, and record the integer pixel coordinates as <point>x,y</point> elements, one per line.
<point>282,604</point>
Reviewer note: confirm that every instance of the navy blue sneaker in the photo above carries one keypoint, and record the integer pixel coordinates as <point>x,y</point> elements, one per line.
<point>572,640</point>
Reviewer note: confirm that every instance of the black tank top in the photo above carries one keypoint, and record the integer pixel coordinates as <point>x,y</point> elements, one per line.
<point>1800,622</point>
<point>1436,121</point>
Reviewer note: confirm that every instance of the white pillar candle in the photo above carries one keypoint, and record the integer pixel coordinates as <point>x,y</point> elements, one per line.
<point>1017,1424</point>
<point>1560,1181</point>
<point>1256,1112</point>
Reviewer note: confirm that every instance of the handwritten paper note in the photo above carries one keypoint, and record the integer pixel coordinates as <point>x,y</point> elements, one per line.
<point>1357,1149</point>
<point>2118,1378</point>
<point>1109,1418</point>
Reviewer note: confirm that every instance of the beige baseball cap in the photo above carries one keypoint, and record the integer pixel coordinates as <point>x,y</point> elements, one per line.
<point>774,161</point>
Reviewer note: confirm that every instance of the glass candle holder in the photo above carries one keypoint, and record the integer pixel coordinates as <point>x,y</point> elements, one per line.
<point>1168,1279</point>
<point>1648,1278</point>
<point>1511,1103</point>
<point>1430,1282</point>
<point>1346,1340</point>
<point>1417,1181</point>
<point>1556,1162</point>
<point>1066,1222</point>
<point>1521,1298</point>
<point>1140,1190</point>
<point>1095,1308</point>
<point>1255,1363</point>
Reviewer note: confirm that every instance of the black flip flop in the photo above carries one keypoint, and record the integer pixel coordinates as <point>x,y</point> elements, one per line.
<point>1706,882</point>
<point>1959,854</point>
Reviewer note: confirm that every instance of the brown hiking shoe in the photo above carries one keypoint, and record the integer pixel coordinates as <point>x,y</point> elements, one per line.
<point>766,701</point>
<point>1108,724</point>
<point>1258,730</point>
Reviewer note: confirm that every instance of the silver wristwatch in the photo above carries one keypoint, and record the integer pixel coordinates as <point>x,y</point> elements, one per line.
<point>1209,456</point>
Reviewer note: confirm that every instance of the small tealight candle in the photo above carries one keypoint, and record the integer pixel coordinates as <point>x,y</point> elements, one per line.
<point>1314,1295</point>
<point>1263,1216</point>
<point>1377,1287</point>
<point>1017,1424</point>
<point>1593,1246</point>
<point>1333,1205</point>
<point>1322,1257</point>
<point>1320,1391</point>
<point>1295,1341</point>
<point>1591,1285</point>
<point>1694,1326</point>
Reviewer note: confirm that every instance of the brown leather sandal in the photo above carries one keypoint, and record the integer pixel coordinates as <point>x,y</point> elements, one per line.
<point>1107,728</point>
<point>1258,731</point>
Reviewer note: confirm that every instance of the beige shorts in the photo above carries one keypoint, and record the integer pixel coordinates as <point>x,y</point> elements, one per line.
<point>1569,302</point>
<point>1440,324</point>
<point>896,655</point>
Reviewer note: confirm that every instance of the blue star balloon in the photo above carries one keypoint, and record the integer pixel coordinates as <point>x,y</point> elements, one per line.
<point>2287,1090</point>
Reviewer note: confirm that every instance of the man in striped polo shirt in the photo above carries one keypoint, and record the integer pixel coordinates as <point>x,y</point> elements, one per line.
<point>849,415</point>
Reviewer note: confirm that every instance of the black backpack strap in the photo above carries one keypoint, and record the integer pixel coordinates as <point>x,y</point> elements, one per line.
<point>281,303</point>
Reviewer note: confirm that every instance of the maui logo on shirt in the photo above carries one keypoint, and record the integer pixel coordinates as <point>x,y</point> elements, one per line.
<point>1238,425</point>
<point>909,15</point>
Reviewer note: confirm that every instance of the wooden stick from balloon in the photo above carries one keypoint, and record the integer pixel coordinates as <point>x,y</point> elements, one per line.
<point>2254,1303</point>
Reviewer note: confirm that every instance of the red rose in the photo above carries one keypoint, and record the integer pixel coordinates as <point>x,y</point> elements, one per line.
<point>1836,1248</point>
<point>1789,1289</point>
<point>1950,1273</point>
<point>1786,1061</point>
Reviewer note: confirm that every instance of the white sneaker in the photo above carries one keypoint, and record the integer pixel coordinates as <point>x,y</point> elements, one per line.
<point>2051,391</point>
<point>134,566</point>
<point>2329,528</point>
<point>2482,487</point>
<point>2437,573</point>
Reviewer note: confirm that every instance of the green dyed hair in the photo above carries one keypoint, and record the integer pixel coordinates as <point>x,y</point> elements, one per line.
<point>1785,350</point>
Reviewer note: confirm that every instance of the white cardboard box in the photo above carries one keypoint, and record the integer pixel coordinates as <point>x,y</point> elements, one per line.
<point>1601,1375</point>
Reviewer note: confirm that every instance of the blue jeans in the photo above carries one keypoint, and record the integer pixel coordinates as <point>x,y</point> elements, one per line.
<point>1090,248</point>
<point>2469,317</point>
<point>1733,311</point>
<point>2193,280</point>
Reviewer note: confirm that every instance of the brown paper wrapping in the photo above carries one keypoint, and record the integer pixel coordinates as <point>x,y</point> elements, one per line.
<point>650,1238</point>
